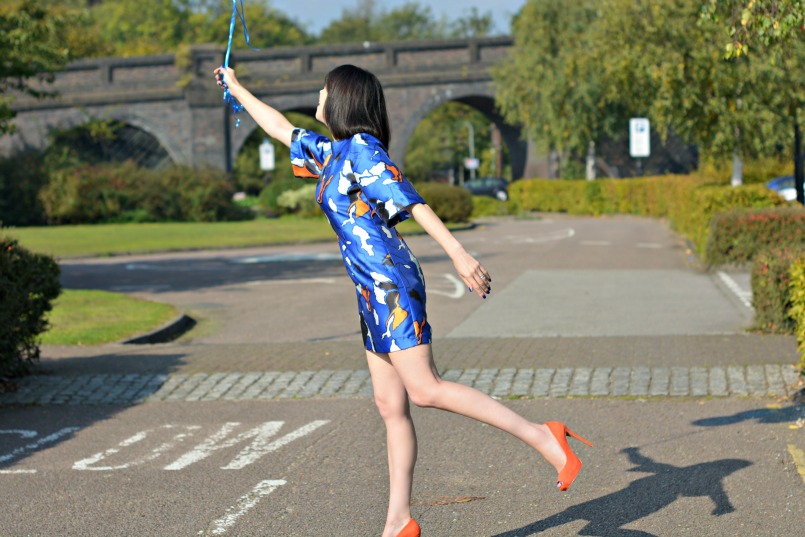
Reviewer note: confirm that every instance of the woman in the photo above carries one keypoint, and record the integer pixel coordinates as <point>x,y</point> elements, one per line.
<point>364,196</point>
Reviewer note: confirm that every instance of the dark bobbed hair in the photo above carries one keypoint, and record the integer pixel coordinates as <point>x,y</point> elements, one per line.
<point>355,104</point>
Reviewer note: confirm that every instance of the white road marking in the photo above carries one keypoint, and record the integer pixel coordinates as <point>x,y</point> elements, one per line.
<point>652,245</point>
<point>87,464</point>
<point>246,502</point>
<point>744,296</point>
<point>457,292</point>
<point>251,453</point>
<point>24,433</point>
<point>549,237</point>
<point>595,243</point>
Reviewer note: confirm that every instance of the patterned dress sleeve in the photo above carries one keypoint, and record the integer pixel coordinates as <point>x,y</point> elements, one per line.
<point>309,153</point>
<point>386,189</point>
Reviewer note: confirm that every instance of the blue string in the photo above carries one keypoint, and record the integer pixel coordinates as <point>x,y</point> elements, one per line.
<point>228,99</point>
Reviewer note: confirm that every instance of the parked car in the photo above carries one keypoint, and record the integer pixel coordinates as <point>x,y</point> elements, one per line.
<point>784,186</point>
<point>495,187</point>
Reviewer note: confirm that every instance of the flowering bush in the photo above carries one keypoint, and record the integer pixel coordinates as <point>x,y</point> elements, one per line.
<point>739,236</point>
<point>771,295</point>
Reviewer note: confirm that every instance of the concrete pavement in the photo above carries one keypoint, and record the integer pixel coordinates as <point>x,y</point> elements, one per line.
<point>260,422</point>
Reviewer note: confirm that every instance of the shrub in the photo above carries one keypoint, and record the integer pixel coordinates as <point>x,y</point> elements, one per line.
<point>28,284</point>
<point>270,194</point>
<point>770,291</point>
<point>190,194</point>
<point>755,170</point>
<point>738,236</point>
<point>300,201</point>
<point>450,203</point>
<point>125,192</point>
<point>797,312</point>
<point>487,206</point>
<point>86,194</point>
<point>21,178</point>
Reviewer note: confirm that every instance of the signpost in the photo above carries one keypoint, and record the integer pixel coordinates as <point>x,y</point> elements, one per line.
<point>267,155</point>
<point>639,140</point>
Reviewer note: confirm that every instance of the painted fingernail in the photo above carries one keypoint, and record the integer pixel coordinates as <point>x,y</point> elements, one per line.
<point>470,288</point>
<point>484,297</point>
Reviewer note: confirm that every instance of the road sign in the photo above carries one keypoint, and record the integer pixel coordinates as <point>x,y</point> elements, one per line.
<point>471,163</point>
<point>266,155</point>
<point>639,137</point>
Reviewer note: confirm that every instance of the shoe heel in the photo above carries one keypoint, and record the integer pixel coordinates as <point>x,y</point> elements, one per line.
<point>578,437</point>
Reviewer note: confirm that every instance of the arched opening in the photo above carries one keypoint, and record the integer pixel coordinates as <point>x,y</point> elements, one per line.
<point>455,141</point>
<point>246,173</point>
<point>110,141</point>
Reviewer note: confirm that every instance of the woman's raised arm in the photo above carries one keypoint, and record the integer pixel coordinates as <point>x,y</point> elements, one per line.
<point>270,120</point>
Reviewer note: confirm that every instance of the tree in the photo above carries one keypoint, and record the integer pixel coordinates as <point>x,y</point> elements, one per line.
<point>473,25</point>
<point>440,142</point>
<point>578,72</point>
<point>757,22</point>
<point>125,28</point>
<point>680,79</point>
<point>267,26</point>
<point>551,83</point>
<point>32,41</point>
<point>364,22</point>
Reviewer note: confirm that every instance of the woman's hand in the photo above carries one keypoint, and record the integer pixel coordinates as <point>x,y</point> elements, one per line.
<point>473,273</point>
<point>225,78</point>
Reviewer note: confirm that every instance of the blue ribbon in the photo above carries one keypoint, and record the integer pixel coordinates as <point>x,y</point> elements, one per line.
<point>228,99</point>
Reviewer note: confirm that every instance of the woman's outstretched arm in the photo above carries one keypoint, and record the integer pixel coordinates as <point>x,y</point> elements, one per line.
<point>272,121</point>
<point>475,276</point>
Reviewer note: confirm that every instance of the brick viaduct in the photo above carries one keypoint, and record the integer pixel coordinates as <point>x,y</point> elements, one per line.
<point>182,108</point>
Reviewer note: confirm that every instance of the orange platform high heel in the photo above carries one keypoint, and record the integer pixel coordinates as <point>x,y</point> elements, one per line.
<point>573,464</point>
<point>410,530</point>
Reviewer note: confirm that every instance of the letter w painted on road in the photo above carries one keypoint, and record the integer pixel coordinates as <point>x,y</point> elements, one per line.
<point>259,446</point>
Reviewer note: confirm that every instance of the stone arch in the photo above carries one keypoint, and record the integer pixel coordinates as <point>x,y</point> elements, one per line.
<point>173,149</point>
<point>481,99</point>
<point>73,118</point>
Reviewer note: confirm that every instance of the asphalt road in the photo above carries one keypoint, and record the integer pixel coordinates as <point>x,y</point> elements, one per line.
<point>566,291</point>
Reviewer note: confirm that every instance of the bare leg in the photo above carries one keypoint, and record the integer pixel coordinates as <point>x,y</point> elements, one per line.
<point>392,402</point>
<point>418,373</point>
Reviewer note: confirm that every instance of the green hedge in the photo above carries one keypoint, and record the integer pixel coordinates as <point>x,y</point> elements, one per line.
<point>797,310</point>
<point>488,206</point>
<point>86,194</point>
<point>689,202</point>
<point>450,203</point>
<point>770,291</point>
<point>28,284</point>
<point>739,236</point>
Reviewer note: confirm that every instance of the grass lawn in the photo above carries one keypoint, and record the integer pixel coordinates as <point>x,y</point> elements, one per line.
<point>96,317</point>
<point>119,239</point>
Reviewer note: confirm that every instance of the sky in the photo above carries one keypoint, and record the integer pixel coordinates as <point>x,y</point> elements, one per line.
<point>316,14</point>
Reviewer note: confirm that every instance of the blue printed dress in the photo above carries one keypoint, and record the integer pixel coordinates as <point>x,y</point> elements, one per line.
<point>364,195</point>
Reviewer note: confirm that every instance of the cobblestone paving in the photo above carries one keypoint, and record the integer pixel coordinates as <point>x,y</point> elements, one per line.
<point>769,380</point>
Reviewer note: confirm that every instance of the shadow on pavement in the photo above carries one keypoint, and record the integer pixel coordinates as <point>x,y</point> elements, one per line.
<point>191,274</point>
<point>606,515</point>
<point>762,415</point>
